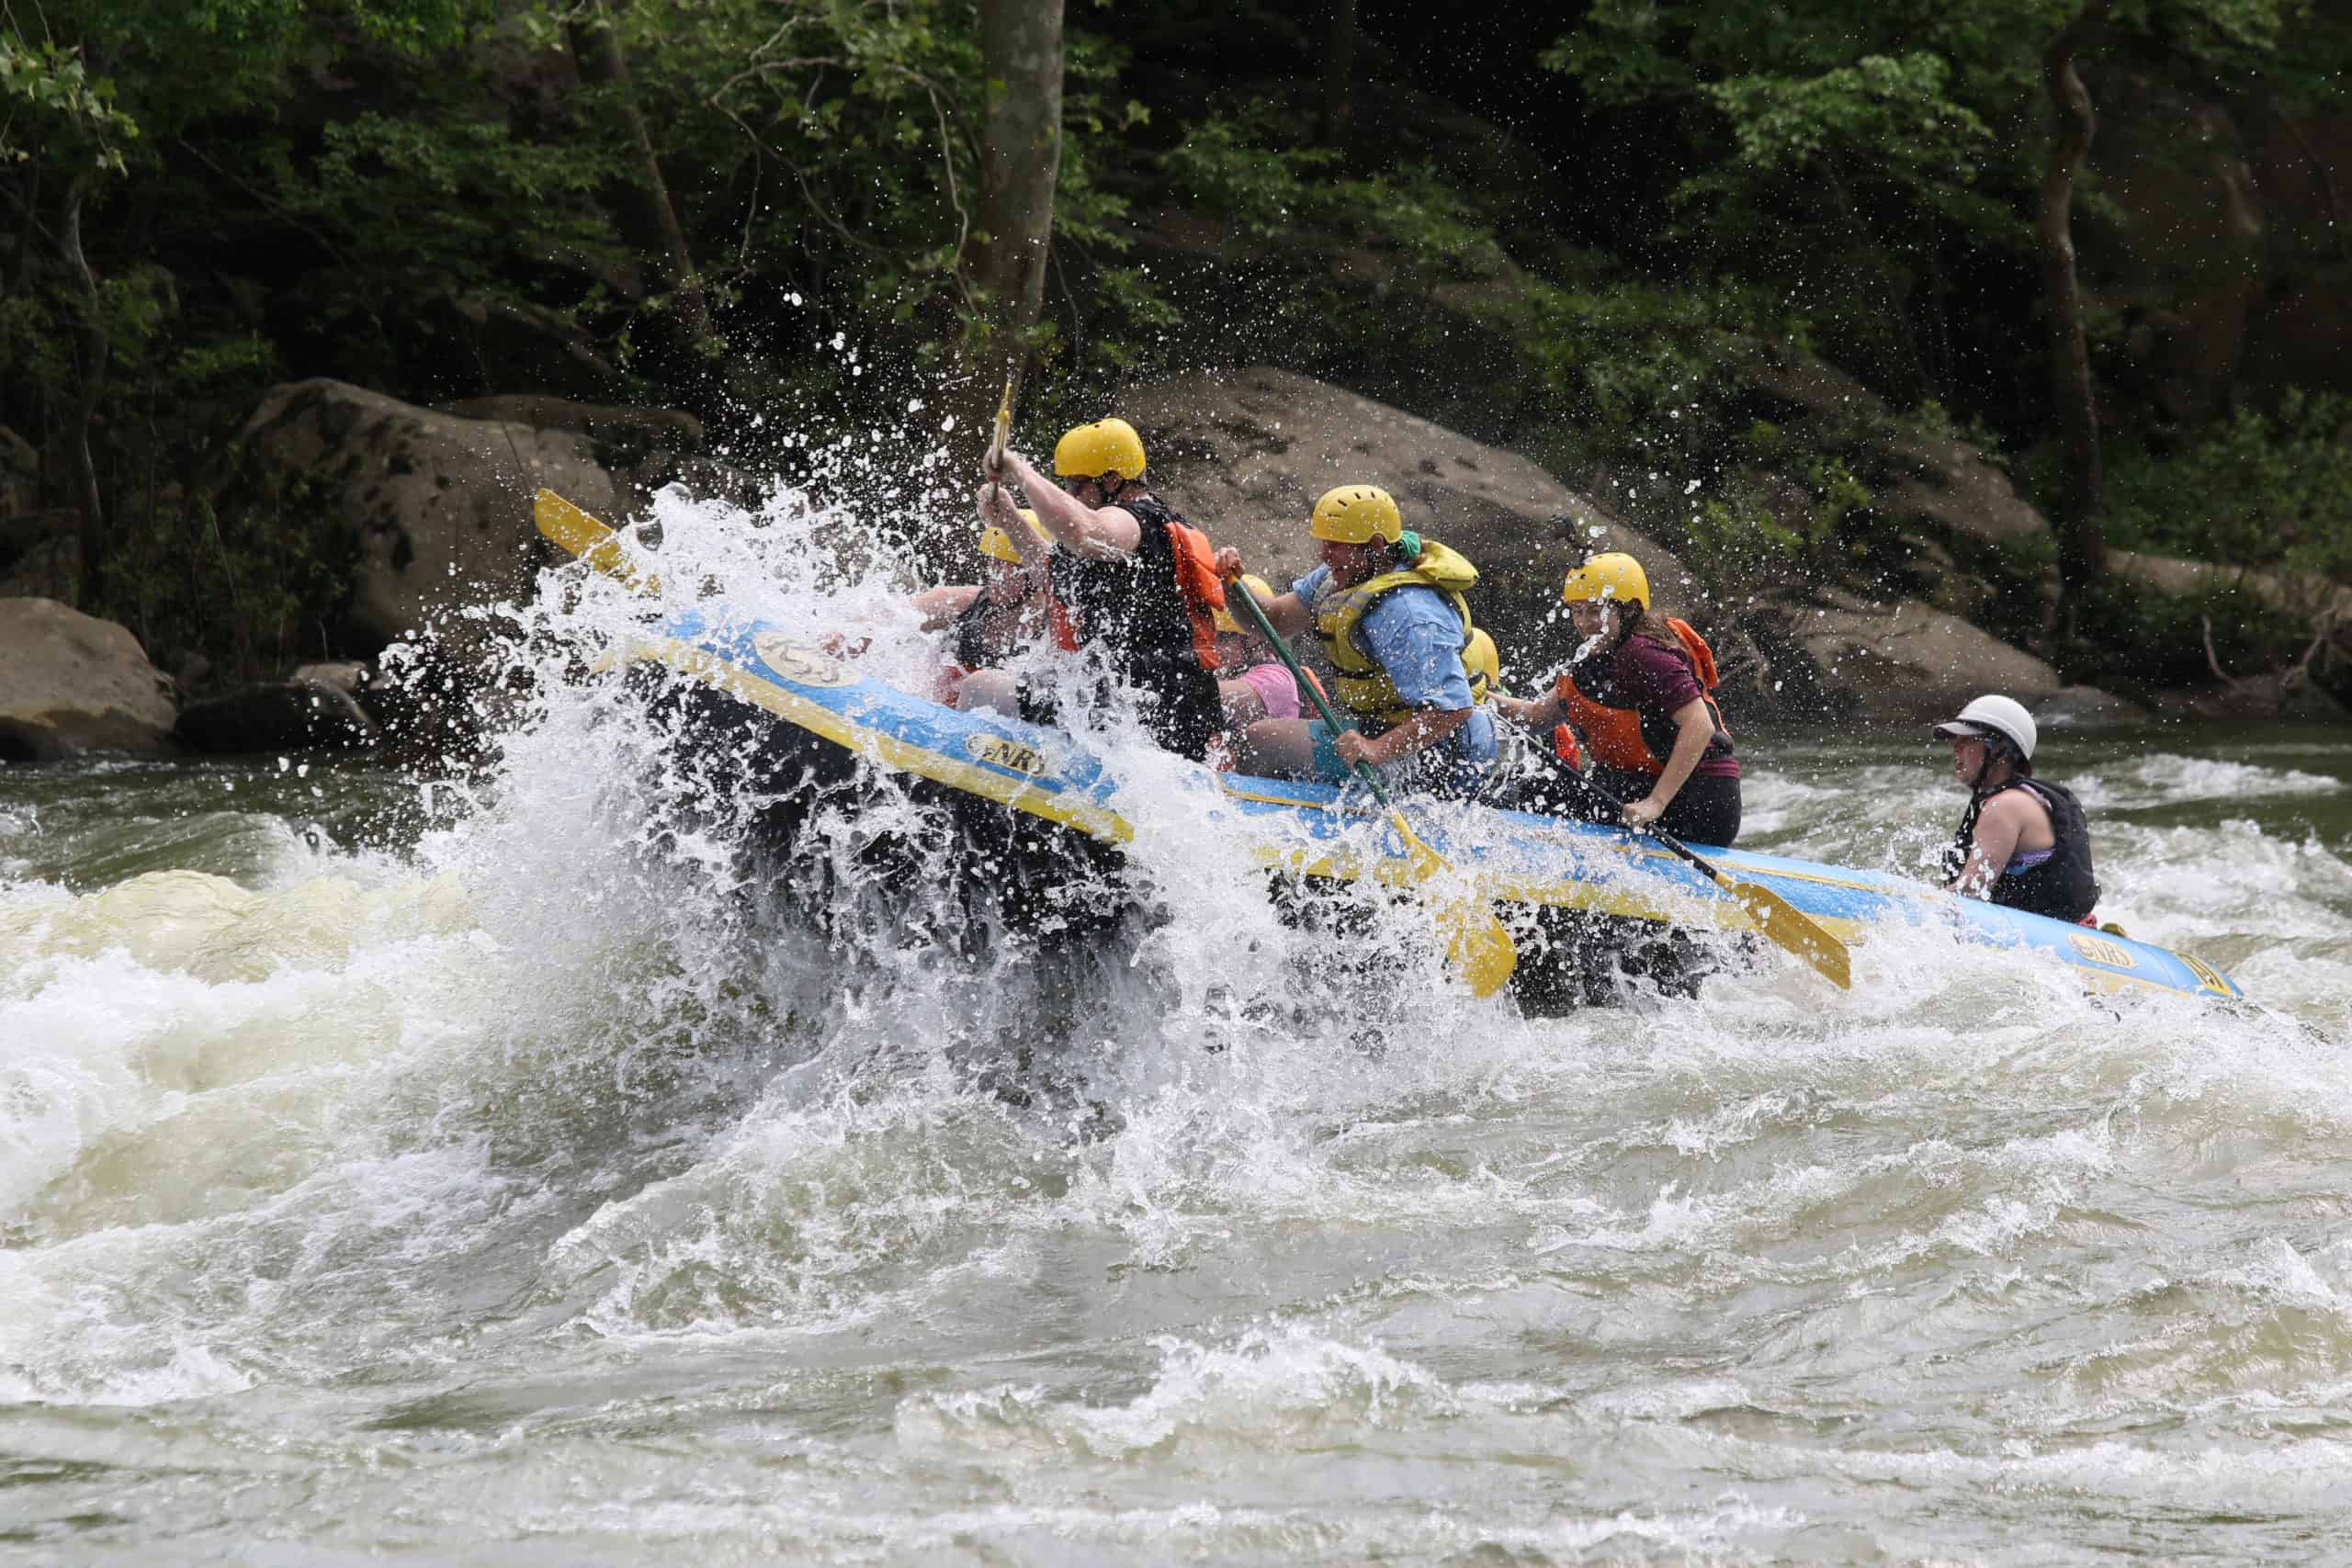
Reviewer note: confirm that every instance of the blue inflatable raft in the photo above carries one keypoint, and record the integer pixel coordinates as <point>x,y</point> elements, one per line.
<point>1544,875</point>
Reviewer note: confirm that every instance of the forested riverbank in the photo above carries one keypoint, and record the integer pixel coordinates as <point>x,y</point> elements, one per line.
<point>1819,304</point>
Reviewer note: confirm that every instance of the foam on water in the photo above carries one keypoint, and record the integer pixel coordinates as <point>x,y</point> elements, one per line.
<point>552,1153</point>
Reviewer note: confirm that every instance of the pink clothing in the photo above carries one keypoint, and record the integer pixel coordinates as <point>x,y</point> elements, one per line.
<point>1275,687</point>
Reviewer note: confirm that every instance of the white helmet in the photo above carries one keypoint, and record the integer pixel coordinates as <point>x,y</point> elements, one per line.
<point>2003,716</point>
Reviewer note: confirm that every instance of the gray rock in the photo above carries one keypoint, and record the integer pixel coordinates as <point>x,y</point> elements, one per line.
<point>1908,662</point>
<point>1244,454</point>
<point>277,715</point>
<point>632,432</point>
<point>2085,707</point>
<point>442,504</point>
<point>71,683</point>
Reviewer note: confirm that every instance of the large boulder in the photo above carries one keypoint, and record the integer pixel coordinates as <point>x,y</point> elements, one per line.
<point>298,714</point>
<point>441,504</point>
<point>1244,454</point>
<point>1901,662</point>
<point>71,683</point>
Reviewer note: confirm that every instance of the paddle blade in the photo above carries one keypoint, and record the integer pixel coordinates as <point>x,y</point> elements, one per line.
<point>1792,928</point>
<point>1477,945</point>
<point>567,525</point>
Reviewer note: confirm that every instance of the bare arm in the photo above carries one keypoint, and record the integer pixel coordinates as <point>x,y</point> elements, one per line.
<point>1241,702</point>
<point>2006,819</point>
<point>996,506</point>
<point>1290,616</point>
<point>1535,713</point>
<point>1694,727</point>
<point>942,604</point>
<point>1424,729</point>
<point>1109,533</point>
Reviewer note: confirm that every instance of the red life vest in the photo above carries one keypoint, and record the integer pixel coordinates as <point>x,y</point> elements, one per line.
<point>1614,734</point>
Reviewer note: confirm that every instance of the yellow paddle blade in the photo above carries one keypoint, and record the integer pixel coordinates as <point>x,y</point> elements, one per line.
<point>1477,943</point>
<point>1003,436</point>
<point>1792,928</point>
<point>582,535</point>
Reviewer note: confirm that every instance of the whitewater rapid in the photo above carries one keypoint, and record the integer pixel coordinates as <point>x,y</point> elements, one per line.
<point>510,1182</point>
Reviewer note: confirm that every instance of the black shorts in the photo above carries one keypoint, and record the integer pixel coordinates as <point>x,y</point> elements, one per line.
<point>1705,809</point>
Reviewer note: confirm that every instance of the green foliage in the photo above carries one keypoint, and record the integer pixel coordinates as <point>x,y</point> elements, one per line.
<point>1812,534</point>
<point>1857,156</point>
<point>1649,371</point>
<point>68,114</point>
<point>2270,490</point>
<point>2137,642</point>
<point>253,589</point>
<point>1297,199</point>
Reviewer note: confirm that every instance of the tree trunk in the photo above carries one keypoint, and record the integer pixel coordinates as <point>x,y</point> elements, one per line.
<point>1021,153</point>
<point>2082,547</point>
<point>1338,73</point>
<point>643,205</point>
<point>90,381</point>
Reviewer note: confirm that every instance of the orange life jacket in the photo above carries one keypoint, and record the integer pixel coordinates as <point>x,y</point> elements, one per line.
<point>1614,734</point>
<point>1203,589</point>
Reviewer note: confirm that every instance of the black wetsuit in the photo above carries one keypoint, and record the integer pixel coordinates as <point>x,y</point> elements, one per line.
<point>1132,612</point>
<point>2061,886</point>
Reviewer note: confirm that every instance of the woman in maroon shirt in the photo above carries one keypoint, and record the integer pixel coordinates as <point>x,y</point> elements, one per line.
<point>1638,695</point>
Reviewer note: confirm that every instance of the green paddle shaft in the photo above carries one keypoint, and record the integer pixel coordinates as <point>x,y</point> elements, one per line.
<point>1322,705</point>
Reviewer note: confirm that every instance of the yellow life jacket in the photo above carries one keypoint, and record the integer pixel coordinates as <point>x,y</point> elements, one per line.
<point>1363,687</point>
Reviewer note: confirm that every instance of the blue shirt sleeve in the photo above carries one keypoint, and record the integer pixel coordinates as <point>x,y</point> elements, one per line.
<point>1307,587</point>
<point>1417,639</point>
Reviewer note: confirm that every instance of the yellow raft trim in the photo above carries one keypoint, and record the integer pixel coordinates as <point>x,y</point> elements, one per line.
<point>851,736</point>
<point>1096,822</point>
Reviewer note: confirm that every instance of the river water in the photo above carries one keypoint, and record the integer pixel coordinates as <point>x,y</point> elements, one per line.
<point>481,1174</point>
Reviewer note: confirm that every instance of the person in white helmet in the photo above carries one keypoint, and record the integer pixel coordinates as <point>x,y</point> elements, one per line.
<point>2024,843</point>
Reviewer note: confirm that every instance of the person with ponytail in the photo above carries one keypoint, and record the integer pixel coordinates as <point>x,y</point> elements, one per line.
<point>1638,692</point>
<point>1389,608</point>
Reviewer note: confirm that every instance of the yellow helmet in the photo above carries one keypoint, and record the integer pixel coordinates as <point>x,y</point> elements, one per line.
<point>1614,575</point>
<point>1106,447</point>
<point>1356,515</point>
<point>997,545</point>
<point>1480,658</point>
<point>1260,589</point>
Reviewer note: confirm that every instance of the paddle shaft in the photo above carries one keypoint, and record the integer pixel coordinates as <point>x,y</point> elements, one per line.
<point>1322,705</point>
<point>1000,438</point>
<point>1661,834</point>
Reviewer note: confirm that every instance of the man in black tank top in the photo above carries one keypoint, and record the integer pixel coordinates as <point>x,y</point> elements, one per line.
<point>2024,843</point>
<point>1114,566</point>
